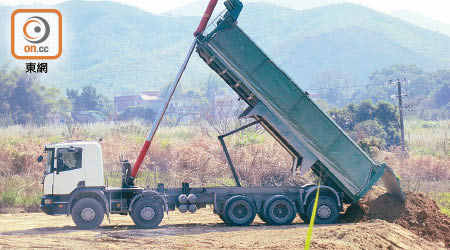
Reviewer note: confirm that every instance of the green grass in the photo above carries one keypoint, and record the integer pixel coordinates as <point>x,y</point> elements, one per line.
<point>428,137</point>
<point>443,201</point>
<point>249,138</point>
<point>20,192</point>
<point>184,133</point>
<point>224,181</point>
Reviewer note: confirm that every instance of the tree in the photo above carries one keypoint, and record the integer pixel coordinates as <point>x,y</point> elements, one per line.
<point>88,99</point>
<point>371,145</point>
<point>370,128</point>
<point>442,95</point>
<point>57,103</point>
<point>365,120</point>
<point>345,117</point>
<point>385,113</point>
<point>22,98</point>
<point>334,86</point>
<point>379,89</point>
<point>144,113</point>
<point>364,111</point>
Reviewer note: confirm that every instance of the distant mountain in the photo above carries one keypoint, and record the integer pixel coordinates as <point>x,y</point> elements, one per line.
<point>422,21</point>
<point>344,37</point>
<point>301,4</point>
<point>118,48</point>
<point>123,50</point>
<point>197,8</point>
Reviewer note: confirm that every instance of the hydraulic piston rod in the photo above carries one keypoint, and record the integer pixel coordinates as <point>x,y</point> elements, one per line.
<point>161,112</point>
<point>173,86</point>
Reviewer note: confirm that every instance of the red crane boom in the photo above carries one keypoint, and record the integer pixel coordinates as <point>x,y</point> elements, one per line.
<point>204,21</point>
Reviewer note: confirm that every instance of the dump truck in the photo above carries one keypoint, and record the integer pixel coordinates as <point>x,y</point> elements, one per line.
<point>74,182</point>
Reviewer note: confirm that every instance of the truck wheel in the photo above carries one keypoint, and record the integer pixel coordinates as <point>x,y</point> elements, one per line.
<point>147,213</point>
<point>239,211</point>
<point>327,210</point>
<point>279,210</point>
<point>87,213</point>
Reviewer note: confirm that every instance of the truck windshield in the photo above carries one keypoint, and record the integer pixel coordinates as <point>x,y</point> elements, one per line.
<point>49,160</point>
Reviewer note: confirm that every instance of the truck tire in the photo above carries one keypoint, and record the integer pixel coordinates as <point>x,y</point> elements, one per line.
<point>327,210</point>
<point>87,213</point>
<point>239,211</point>
<point>279,210</point>
<point>147,213</point>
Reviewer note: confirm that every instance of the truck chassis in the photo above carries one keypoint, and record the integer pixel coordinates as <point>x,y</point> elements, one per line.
<point>236,206</point>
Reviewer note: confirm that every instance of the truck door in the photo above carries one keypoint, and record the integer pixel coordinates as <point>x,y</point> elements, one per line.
<point>49,171</point>
<point>69,171</point>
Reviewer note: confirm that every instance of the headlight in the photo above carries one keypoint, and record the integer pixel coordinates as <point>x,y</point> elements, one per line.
<point>48,201</point>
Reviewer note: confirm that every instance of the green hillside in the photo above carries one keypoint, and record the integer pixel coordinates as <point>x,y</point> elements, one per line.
<point>123,50</point>
<point>345,37</point>
<point>422,21</point>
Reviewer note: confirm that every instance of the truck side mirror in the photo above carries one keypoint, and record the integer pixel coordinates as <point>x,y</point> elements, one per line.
<point>40,158</point>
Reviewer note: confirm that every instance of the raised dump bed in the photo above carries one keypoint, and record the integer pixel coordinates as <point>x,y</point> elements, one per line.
<point>313,139</point>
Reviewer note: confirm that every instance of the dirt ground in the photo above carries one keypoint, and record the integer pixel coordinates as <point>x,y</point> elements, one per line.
<point>202,230</point>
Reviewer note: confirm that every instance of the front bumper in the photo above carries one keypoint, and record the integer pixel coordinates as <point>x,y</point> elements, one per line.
<point>57,205</point>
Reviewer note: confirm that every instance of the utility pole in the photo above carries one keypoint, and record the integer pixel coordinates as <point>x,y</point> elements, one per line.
<point>400,109</point>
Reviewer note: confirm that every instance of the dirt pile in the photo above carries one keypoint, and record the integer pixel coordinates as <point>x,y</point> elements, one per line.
<point>418,214</point>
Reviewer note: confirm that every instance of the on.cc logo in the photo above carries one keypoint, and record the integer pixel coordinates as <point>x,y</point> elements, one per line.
<point>36,29</point>
<point>36,34</point>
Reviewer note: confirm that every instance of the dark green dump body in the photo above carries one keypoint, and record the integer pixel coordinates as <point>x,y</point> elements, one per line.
<point>309,134</point>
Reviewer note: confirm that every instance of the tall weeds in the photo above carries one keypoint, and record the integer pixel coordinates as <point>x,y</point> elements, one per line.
<point>193,154</point>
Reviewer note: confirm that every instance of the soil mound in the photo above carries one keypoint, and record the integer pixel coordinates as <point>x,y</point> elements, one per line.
<point>418,214</point>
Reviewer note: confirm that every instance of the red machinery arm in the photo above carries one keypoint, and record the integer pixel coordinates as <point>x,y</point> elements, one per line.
<point>160,115</point>
<point>208,12</point>
<point>173,86</point>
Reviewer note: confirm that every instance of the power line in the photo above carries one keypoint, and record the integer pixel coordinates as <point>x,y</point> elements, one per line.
<point>342,87</point>
<point>400,109</point>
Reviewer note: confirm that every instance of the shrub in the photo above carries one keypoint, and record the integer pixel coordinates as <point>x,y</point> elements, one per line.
<point>371,145</point>
<point>144,113</point>
<point>368,120</point>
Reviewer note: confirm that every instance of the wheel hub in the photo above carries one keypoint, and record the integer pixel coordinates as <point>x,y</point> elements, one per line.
<point>87,214</point>
<point>324,211</point>
<point>147,213</point>
<point>280,211</point>
<point>240,211</point>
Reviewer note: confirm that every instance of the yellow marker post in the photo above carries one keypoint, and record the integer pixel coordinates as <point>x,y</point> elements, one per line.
<point>311,222</point>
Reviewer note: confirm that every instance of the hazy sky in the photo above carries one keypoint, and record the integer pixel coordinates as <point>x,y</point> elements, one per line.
<point>436,9</point>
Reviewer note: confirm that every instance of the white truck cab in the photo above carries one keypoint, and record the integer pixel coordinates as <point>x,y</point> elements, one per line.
<point>72,164</point>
